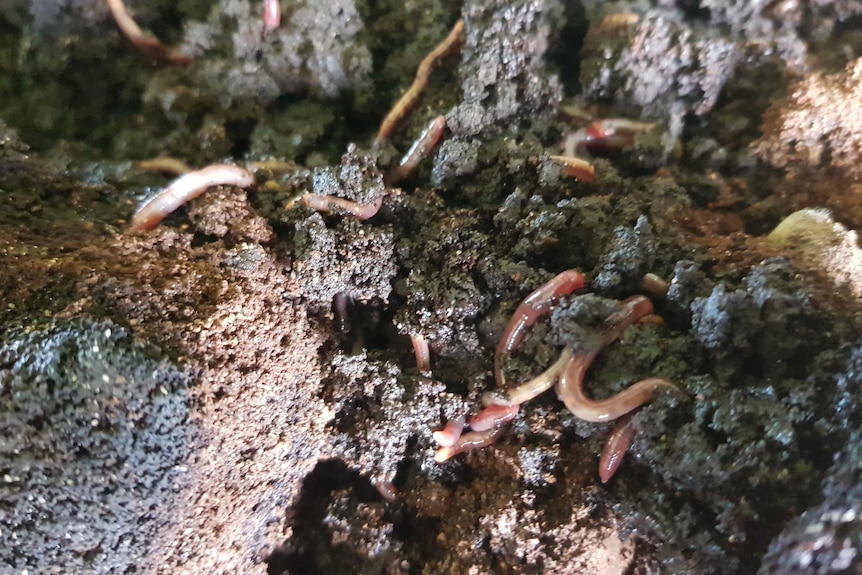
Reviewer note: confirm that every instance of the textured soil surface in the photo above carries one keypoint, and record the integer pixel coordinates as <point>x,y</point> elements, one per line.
<point>235,391</point>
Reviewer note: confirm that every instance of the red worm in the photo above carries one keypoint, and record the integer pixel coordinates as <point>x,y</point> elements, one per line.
<point>632,309</point>
<point>422,353</point>
<point>149,45</point>
<point>271,14</point>
<point>408,101</point>
<point>420,149</point>
<point>576,168</point>
<point>604,136</point>
<point>536,304</point>
<point>185,188</point>
<point>493,416</point>
<point>448,436</point>
<point>570,387</point>
<point>469,442</point>
<point>615,448</point>
<point>328,204</point>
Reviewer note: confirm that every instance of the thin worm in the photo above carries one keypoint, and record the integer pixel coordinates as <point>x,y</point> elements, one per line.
<point>271,14</point>
<point>448,436</point>
<point>185,188</point>
<point>571,390</point>
<point>536,304</point>
<point>469,442</point>
<point>533,388</point>
<point>409,99</point>
<point>576,168</point>
<point>166,165</point>
<point>420,149</point>
<point>615,448</point>
<point>493,416</point>
<point>570,387</point>
<point>632,309</point>
<point>608,135</point>
<point>422,352</point>
<point>328,204</point>
<point>149,45</point>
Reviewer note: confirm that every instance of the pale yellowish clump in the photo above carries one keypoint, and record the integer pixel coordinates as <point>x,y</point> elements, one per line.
<point>824,244</point>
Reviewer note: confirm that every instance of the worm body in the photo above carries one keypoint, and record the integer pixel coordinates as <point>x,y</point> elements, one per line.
<point>149,45</point>
<point>421,352</point>
<point>469,442</point>
<point>576,168</point>
<point>493,416</point>
<point>185,188</point>
<point>410,98</point>
<point>571,390</point>
<point>448,436</point>
<point>570,387</point>
<point>533,388</point>
<point>329,204</point>
<point>615,448</point>
<point>536,304</point>
<point>420,149</point>
<point>604,136</point>
<point>271,14</point>
<point>568,374</point>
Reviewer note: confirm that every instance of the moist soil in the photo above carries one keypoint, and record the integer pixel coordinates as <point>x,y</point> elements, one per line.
<point>235,391</point>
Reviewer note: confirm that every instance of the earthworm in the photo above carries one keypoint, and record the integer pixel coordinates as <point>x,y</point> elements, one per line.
<point>271,14</point>
<point>493,416</point>
<point>420,149</point>
<point>570,386</point>
<point>536,386</point>
<point>576,168</point>
<point>568,373</point>
<point>536,304</point>
<point>603,136</point>
<point>570,389</point>
<point>615,448</point>
<point>149,45</point>
<point>166,165</point>
<point>448,436</point>
<point>409,99</point>
<point>185,188</point>
<point>422,353</point>
<point>631,310</point>
<point>469,442</point>
<point>327,205</point>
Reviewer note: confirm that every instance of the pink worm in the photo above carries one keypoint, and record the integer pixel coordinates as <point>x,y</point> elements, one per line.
<point>271,14</point>
<point>448,436</point>
<point>606,135</point>
<point>493,416</point>
<point>615,448</point>
<point>469,442</point>
<point>570,387</point>
<point>185,188</point>
<point>327,205</point>
<point>420,148</point>
<point>422,352</point>
<point>536,304</point>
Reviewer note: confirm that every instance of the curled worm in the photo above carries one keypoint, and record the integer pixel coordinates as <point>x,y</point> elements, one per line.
<point>185,188</point>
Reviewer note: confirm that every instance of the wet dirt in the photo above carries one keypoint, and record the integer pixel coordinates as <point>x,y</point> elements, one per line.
<point>236,390</point>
